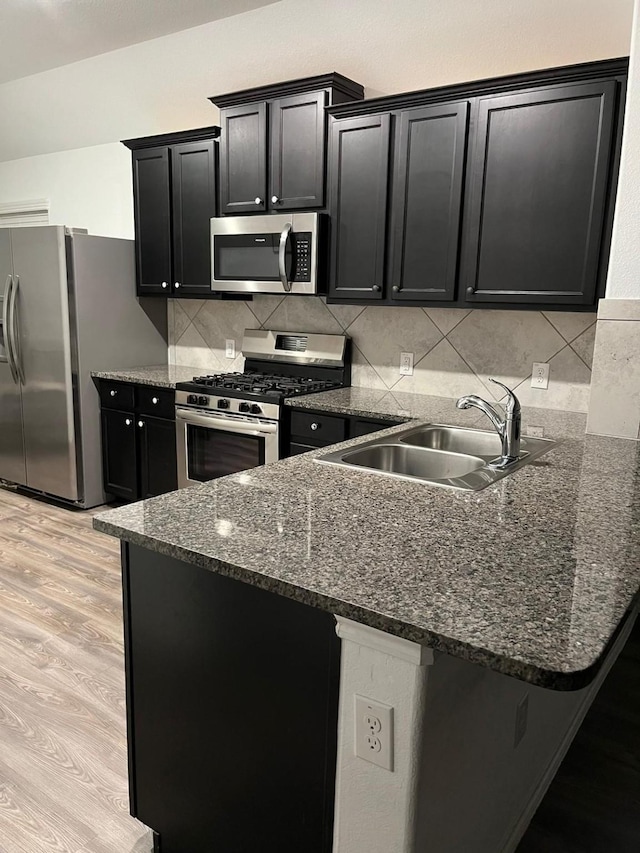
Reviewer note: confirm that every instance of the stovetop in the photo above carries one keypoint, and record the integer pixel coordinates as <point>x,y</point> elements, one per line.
<point>271,387</point>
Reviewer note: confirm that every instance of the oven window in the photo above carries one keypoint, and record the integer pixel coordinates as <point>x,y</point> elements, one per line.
<point>247,257</point>
<point>213,453</point>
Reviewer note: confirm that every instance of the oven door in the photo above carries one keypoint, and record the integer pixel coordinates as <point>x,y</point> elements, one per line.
<point>265,254</point>
<point>212,445</point>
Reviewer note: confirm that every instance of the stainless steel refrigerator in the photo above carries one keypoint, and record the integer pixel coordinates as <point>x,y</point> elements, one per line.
<point>68,307</point>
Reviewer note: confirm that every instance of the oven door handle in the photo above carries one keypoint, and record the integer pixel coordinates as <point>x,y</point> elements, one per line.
<point>227,424</point>
<point>282,257</point>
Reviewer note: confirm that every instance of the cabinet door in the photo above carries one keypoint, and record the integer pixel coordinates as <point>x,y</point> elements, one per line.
<point>359,173</point>
<point>297,151</point>
<point>152,213</point>
<point>158,464</point>
<point>539,182</point>
<point>119,458</point>
<point>427,197</point>
<point>194,203</point>
<point>243,159</point>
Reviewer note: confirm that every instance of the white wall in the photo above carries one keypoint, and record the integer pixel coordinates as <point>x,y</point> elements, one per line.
<point>623,281</point>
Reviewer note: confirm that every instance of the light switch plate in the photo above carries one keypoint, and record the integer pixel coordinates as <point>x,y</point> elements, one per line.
<point>230,348</point>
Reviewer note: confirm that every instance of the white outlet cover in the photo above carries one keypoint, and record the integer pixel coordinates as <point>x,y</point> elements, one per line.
<point>374,731</point>
<point>406,364</point>
<point>540,375</point>
<point>230,348</point>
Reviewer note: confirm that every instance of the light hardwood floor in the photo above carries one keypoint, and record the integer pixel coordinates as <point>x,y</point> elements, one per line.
<point>63,775</point>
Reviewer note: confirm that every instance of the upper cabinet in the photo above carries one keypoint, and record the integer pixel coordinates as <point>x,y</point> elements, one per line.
<point>498,193</point>
<point>174,197</point>
<point>273,143</point>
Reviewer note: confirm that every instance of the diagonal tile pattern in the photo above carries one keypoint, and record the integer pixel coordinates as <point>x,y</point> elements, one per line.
<point>455,351</point>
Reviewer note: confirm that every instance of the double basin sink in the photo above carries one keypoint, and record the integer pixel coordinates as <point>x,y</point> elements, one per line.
<point>448,456</point>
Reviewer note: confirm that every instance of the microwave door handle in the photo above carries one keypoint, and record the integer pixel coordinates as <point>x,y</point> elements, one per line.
<point>282,257</point>
<point>230,425</point>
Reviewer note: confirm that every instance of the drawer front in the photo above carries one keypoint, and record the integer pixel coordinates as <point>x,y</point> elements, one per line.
<point>117,395</point>
<point>364,427</point>
<point>320,429</point>
<point>158,402</point>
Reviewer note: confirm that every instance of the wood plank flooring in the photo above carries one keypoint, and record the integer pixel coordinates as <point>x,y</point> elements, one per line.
<point>63,776</point>
<point>63,773</point>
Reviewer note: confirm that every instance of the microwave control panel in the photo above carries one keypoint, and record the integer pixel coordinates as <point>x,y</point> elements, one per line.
<point>302,256</point>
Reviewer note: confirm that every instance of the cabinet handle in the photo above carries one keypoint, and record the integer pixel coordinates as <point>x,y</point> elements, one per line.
<point>470,291</point>
<point>376,288</point>
<point>140,424</point>
<point>315,426</point>
<point>165,284</point>
<point>127,421</point>
<point>113,393</point>
<point>155,401</point>
<point>274,199</point>
<point>258,200</point>
<point>395,288</point>
<point>176,284</point>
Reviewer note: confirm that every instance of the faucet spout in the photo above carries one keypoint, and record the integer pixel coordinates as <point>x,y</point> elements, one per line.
<point>507,427</point>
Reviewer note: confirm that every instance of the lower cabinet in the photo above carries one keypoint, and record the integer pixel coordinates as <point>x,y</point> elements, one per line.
<point>309,430</point>
<point>138,449</point>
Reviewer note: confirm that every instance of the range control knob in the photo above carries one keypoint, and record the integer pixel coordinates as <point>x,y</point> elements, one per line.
<point>255,409</point>
<point>192,399</point>
<point>244,407</point>
<point>203,401</point>
<point>223,404</point>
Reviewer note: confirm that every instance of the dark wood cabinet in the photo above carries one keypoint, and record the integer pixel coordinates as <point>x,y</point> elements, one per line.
<point>138,449</point>
<point>359,175</point>
<point>538,187</point>
<point>174,190</point>
<point>427,200</point>
<point>243,159</point>
<point>309,429</point>
<point>273,143</point>
<point>500,193</point>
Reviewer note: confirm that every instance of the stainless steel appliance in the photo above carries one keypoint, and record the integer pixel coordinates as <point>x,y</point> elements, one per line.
<point>67,307</point>
<point>230,422</point>
<point>267,254</point>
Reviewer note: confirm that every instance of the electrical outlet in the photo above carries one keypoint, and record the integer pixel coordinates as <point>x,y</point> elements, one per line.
<point>522,713</point>
<point>374,732</point>
<point>230,348</point>
<point>540,376</point>
<point>406,364</point>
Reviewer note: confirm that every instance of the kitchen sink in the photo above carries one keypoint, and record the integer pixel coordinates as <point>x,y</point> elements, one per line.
<point>449,456</point>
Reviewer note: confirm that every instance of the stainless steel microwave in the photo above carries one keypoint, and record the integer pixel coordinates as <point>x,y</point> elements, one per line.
<point>277,253</point>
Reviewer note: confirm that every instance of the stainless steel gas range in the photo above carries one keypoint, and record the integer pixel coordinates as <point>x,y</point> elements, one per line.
<point>230,422</point>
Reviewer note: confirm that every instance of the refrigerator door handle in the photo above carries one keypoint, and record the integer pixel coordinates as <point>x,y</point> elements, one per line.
<point>15,329</point>
<point>6,327</point>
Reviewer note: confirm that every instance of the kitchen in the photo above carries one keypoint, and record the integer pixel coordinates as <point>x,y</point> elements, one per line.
<point>455,349</point>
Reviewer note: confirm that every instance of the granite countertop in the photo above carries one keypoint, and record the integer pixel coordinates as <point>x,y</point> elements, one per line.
<point>531,576</point>
<point>160,376</point>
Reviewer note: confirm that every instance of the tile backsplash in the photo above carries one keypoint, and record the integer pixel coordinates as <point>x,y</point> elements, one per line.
<point>455,351</point>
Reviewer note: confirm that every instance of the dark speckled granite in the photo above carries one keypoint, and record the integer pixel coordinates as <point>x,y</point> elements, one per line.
<point>531,577</point>
<point>159,376</point>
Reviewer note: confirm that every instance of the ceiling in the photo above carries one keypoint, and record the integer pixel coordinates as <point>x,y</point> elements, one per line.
<point>38,35</point>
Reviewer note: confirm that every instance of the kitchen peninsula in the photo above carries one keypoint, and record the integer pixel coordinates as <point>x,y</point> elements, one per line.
<point>486,620</point>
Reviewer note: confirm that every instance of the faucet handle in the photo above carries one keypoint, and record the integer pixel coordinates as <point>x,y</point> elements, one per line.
<point>512,406</point>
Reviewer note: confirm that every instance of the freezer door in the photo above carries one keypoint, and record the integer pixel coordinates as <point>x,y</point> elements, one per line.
<point>12,465</point>
<point>45,355</point>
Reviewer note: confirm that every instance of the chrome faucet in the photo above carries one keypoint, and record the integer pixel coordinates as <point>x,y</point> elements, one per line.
<point>508,428</point>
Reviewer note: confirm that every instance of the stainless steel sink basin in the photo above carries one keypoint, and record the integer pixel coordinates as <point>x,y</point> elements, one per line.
<point>453,457</point>
<point>414,461</point>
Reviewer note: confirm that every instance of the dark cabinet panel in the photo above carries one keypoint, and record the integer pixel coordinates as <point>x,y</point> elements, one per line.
<point>297,151</point>
<point>427,198</point>
<point>364,427</point>
<point>119,454</point>
<point>152,213</point>
<point>318,429</point>
<point>157,456</point>
<point>194,203</point>
<point>243,159</point>
<point>539,180</point>
<point>359,174</point>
